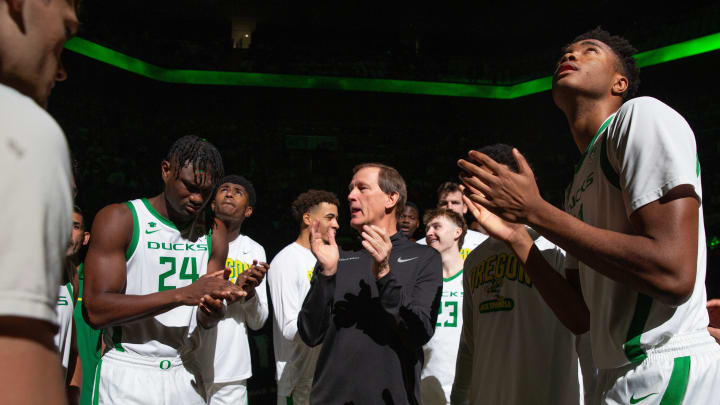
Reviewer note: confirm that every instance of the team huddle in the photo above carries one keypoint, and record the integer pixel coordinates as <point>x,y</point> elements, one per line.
<point>600,303</point>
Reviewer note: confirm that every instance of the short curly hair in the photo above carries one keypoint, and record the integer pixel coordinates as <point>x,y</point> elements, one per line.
<point>309,199</point>
<point>624,52</point>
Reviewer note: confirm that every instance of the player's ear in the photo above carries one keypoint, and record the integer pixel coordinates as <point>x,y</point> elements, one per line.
<point>392,200</point>
<point>620,85</point>
<point>15,11</point>
<point>307,220</point>
<point>248,211</point>
<point>86,238</point>
<point>165,170</point>
<point>212,205</point>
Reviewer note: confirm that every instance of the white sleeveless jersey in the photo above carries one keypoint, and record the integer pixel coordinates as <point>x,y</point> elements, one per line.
<point>63,338</point>
<point>637,156</point>
<point>441,351</point>
<point>158,259</point>
<point>472,239</point>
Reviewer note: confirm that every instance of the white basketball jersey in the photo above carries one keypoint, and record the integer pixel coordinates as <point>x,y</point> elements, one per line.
<point>441,351</point>
<point>63,339</point>
<point>158,259</point>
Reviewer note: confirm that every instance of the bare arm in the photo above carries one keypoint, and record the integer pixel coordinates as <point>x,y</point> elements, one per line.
<point>106,272</point>
<point>658,259</point>
<point>28,355</point>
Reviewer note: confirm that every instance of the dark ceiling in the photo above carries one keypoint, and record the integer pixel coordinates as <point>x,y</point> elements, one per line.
<point>477,42</point>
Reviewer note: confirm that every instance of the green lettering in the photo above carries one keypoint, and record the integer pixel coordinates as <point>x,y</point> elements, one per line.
<point>153,245</point>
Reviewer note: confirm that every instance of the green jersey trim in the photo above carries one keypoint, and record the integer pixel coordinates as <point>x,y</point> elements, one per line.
<point>633,350</point>
<point>135,234</point>
<point>604,125</point>
<point>675,391</point>
<point>70,289</point>
<point>157,214</point>
<point>697,166</point>
<point>607,169</point>
<point>96,385</point>
<point>209,243</point>
<point>81,278</point>
<point>445,280</point>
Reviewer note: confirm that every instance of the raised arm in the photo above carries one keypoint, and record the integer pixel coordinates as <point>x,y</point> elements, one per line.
<point>659,258</point>
<point>106,272</point>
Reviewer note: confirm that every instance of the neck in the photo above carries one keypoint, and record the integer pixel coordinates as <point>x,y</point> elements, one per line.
<point>303,238</point>
<point>388,223</point>
<point>159,202</point>
<point>233,228</point>
<point>452,261</point>
<point>585,116</point>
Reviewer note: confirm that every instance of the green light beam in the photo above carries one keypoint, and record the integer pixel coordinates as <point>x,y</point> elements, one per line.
<point>210,77</point>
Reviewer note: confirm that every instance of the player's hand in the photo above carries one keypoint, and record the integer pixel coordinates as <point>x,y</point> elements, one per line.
<point>252,277</point>
<point>713,308</point>
<point>210,311</point>
<point>378,244</point>
<point>507,232</point>
<point>327,254</point>
<point>511,196</point>
<point>211,284</point>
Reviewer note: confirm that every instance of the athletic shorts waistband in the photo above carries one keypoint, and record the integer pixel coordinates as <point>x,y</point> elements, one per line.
<point>162,363</point>
<point>684,345</point>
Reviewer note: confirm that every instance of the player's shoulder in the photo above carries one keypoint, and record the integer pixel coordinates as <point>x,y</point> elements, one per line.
<point>248,244</point>
<point>647,106</point>
<point>289,253</point>
<point>117,215</point>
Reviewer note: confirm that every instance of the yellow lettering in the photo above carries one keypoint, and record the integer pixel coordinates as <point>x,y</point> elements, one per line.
<point>490,264</point>
<point>502,261</point>
<point>524,277</point>
<point>511,268</point>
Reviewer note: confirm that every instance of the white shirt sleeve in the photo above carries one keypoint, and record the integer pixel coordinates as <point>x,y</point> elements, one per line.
<point>284,290</point>
<point>652,150</point>
<point>256,309</point>
<point>36,216</point>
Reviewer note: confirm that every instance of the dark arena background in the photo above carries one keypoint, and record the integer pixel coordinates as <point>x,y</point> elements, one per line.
<point>314,88</point>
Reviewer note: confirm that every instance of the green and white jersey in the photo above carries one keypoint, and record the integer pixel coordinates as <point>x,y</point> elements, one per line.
<point>513,349</point>
<point>158,259</point>
<point>441,351</point>
<point>639,154</point>
<point>63,338</point>
<point>472,239</point>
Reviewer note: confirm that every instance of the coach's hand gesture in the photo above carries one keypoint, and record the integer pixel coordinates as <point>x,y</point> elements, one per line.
<point>324,248</point>
<point>378,244</point>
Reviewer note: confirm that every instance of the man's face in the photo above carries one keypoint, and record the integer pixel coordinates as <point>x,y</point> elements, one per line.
<point>78,237</point>
<point>452,200</point>
<point>188,192</point>
<point>442,234</point>
<point>232,201</point>
<point>367,201</point>
<point>588,67</point>
<point>327,216</point>
<point>48,25</point>
<point>409,221</point>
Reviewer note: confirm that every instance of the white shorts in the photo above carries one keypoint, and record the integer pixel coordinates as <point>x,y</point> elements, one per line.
<point>686,370</point>
<point>229,393</point>
<point>127,379</point>
<point>300,395</point>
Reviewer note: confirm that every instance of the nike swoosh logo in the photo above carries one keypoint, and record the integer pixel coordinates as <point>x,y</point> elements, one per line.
<point>344,259</point>
<point>401,260</point>
<point>635,401</point>
<point>149,232</point>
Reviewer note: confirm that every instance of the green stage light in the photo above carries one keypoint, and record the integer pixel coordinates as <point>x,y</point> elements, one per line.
<point>209,77</point>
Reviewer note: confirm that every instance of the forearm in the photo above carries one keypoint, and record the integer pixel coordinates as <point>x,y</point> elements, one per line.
<point>558,293</point>
<point>314,318</point>
<point>255,311</point>
<point>639,261</point>
<point>109,308</point>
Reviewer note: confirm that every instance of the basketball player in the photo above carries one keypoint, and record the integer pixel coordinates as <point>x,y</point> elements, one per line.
<point>289,283</point>
<point>450,197</point>
<point>445,230</point>
<point>506,320</point>
<point>633,227</point>
<point>226,347</point>
<point>36,165</point>
<point>409,220</point>
<point>143,275</point>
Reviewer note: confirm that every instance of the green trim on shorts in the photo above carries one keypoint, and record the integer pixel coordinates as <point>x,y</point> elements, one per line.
<point>135,234</point>
<point>96,385</point>
<point>633,350</point>
<point>157,215</point>
<point>675,391</point>
<point>607,168</point>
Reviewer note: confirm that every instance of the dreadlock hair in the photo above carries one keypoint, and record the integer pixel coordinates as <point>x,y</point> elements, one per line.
<point>198,152</point>
<point>245,183</point>
<point>309,199</point>
<point>624,51</point>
